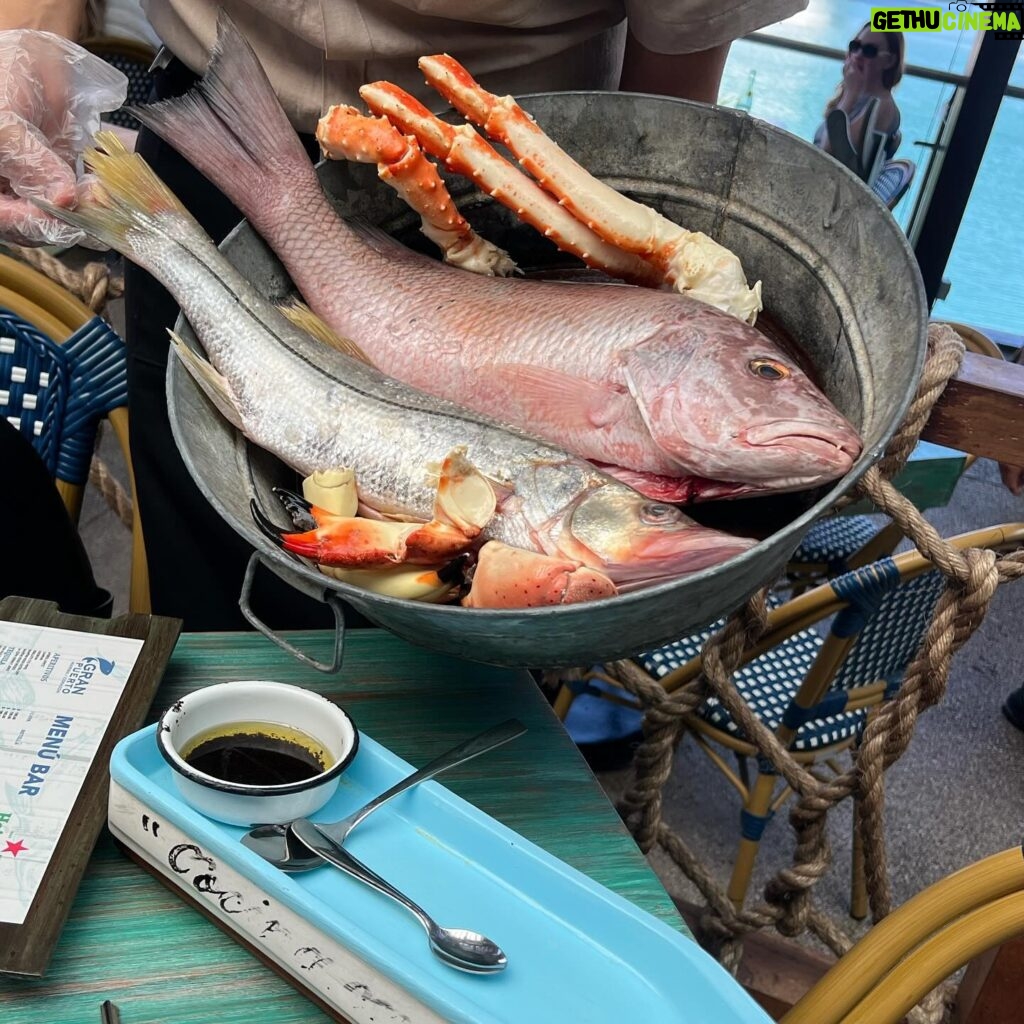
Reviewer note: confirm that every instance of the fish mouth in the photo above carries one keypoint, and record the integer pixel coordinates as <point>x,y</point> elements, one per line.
<point>656,559</point>
<point>814,443</point>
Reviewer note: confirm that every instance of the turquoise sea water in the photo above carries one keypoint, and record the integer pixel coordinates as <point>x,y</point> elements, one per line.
<point>986,266</point>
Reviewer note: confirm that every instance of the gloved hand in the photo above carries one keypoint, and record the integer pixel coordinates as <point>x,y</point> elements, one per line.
<point>52,93</point>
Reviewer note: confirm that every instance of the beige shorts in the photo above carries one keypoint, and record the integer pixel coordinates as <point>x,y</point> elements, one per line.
<point>685,26</point>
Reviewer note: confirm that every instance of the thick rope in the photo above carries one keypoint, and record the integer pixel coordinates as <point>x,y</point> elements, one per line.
<point>94,285</point>
<point>113,493</point>
<point>945,354</point>
<point>887,735</point>
<point>972,578</point>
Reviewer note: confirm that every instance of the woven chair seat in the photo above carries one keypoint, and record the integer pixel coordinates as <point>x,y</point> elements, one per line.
<point>893,181</point>
<point>890,618</point>
<point>140,86</point>
<point>833,541</point>
<point>827,661</point>
<point>768,685</point>
<point>133,59</point>
<point>55,394</point>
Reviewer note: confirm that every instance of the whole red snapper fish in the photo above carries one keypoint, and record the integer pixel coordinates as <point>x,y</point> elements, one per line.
<point>678,398</point>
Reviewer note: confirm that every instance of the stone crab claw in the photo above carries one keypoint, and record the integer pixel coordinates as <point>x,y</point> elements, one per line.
<point>354,542</point>
<point>507,577</point>
<point>336,540</point>
<point>464,505</point>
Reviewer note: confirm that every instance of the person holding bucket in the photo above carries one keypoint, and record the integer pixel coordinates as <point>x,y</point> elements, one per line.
<point>318,52</point>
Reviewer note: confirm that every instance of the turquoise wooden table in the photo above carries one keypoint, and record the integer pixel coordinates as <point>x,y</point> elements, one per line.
<point>130,940</point>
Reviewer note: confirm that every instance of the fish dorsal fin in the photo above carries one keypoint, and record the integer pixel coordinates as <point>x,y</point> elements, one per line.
<point>557,398</point>
<point>214,385</point>
<point>304,318</point>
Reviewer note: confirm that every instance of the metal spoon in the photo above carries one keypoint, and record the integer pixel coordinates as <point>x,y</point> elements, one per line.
<point>457,947</point>
<point>276,844</point>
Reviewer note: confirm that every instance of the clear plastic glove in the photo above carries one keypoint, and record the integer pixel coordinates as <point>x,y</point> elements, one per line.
<point>52,94</point>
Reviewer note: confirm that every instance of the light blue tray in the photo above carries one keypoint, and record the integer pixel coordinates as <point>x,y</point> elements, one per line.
<point>577,951</point>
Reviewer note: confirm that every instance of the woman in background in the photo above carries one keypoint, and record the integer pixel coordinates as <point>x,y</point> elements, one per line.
<point>872,69</point>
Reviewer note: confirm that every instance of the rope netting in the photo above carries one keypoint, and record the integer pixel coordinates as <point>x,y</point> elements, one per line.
<point>972,577</point>
<point>95,285</point>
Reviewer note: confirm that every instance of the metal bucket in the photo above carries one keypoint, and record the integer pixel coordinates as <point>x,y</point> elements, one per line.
<point>839,277</point>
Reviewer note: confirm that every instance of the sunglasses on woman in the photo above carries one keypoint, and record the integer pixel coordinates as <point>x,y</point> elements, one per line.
<point>869,50</point>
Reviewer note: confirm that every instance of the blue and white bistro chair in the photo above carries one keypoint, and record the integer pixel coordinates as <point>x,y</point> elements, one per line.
<point>841,543</point>
<point>893,181</point>
<point>838,545</point>
<point>56,394</point>
<point>814,691</point>
<point>134,60</point>
<point>62,370</point>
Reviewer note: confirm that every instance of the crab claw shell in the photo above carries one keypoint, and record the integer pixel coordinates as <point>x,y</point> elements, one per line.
<point>508,577</point>
<point>332,489</point>
<point>354,542</point>
<point>267,526</point>
<point>300,511</point>
<point>420,583</point>
<point>465,499</point>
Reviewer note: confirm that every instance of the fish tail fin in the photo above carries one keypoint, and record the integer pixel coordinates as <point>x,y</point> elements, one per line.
<point>132,206</point>
<point>232,127</point>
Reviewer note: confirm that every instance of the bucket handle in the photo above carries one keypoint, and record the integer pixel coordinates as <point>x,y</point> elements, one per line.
<point>244,602</point>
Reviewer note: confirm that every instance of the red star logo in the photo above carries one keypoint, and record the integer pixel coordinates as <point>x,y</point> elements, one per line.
<point>15,848</point>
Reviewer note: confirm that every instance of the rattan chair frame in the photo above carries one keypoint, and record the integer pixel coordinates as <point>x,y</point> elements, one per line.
<point>800,576</point>
<point>908,169</point>
<point>907,954</point>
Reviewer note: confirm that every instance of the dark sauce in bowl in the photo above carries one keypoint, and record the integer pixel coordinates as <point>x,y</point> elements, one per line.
<point>255,758</point>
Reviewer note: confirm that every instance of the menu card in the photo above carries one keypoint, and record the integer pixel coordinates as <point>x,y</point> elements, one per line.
<point>58,691</point>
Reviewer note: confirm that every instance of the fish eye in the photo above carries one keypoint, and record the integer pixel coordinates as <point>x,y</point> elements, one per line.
<point>655,513</point>
<point>768,369</point>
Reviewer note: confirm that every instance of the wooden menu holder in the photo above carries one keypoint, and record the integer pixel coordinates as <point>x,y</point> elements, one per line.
<point>25,949</point>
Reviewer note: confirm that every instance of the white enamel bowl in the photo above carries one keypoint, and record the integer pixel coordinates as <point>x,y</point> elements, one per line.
<point>260,701</point>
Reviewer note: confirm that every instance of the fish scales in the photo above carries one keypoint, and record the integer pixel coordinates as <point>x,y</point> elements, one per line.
<point>358,416</point>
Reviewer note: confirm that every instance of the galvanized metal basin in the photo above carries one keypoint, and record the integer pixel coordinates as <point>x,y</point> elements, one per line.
<point>838,276</point>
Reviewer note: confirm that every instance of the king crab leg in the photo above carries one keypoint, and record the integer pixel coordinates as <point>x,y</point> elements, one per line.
<point>346,134</point>
<point>690,261</point>
<point>465,152</point>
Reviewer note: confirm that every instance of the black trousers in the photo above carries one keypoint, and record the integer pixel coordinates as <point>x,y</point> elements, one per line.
<point>43,555</point>
<point>196,561</point>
